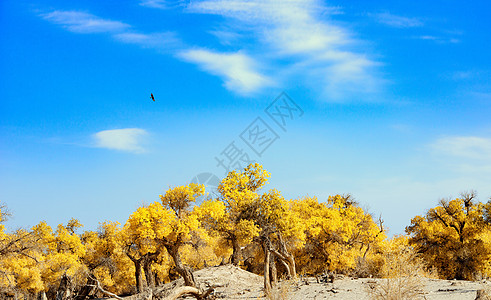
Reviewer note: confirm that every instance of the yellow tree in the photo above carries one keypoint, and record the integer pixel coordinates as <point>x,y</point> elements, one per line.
<point>106,261</point>
<point>63,270</point>
<point>338,233</point>
<point>3,218</point>
<point>454,237</point>
<point>183,222</point>
<point>280,229</point>
<point>40,260</point>
<point>163,225</point>
<point>231,215</point>
<point>140,239</point>
<point>20,260</point>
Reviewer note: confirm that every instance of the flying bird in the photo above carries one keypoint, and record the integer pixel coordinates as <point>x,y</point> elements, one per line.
<point>151,97</point>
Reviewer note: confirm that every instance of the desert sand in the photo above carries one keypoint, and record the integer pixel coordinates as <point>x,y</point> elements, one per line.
<point>231,282</point>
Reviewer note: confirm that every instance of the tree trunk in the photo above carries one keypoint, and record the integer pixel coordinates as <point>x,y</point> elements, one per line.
<point>147,268</point>
<point>157,279</point>
<point>267,257</point>
<point>184,271</point>
<point>42,295</point>
<point>88,289</point>
<point>64,290</point>
<point>287,258</point>
<point>138,272</point>
<point>138,275</point>
<point>236,254</point>
<point>291,264</point>
<point>273,271</point>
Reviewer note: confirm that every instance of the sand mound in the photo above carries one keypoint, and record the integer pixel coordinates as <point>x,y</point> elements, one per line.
<point>229,282</point>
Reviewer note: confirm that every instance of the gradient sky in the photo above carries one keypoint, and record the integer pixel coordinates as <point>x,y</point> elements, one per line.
<point>392,101</point>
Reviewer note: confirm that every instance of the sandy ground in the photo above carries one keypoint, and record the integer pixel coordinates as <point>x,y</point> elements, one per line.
<point>230,282</point>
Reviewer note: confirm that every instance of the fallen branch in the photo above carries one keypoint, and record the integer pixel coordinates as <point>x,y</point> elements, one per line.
<point>176,293</point>
<point>98,286</point>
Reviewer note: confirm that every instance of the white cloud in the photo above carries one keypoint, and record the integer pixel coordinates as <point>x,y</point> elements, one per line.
<point>293,27</point>
<point>154,3</point>
<point>295,41</point>
<point>162,4</point>
<point>312,47</point>
<point>398,21</point>
<point>439,39</point>
<point>472,147</point>
<point>82,22</point>
<point>236,69</point>
<point>166,40</point>
<point>226,37</point>
<point>127,139</point>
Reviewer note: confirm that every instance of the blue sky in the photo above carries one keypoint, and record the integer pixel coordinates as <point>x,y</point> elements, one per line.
<point>389,101</point>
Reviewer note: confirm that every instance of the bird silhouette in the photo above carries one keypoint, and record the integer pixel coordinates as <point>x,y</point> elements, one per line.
<point>151,97</point>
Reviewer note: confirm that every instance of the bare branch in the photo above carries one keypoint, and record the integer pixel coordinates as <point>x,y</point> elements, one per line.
<point>103,290</point>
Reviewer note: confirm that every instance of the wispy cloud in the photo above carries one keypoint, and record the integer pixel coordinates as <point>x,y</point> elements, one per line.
<point>236,69</point>
<point>439,39</point>
<point>292,26</point>
<point>162,4</point>
<point>274,42</point>
<point>473,147</point>
<point>397,21</point>
<point>154,3</point>
<point>82,22</point>
<point>165,40</point>
<point>312,48</point>
<point>127,139</point>
<point>462,75</point>
<point>226,37</point>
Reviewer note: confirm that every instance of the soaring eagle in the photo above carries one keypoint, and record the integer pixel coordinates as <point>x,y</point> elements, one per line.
<point>151,97</point>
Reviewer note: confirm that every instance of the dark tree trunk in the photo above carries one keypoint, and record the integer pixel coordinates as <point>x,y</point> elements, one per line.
<point>138,272</point>
<point>64,291</point>
<point>157,280</point>
<point>147,268</point>
<point>138,275</point>
<point>236,254</point>
<point>88,289</point>
<point>42,296</point>
<point>184,271</point>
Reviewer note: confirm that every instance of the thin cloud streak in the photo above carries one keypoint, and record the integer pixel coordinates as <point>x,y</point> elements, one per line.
<point>165,40</point>
<point>162,4</point>
<point>439,39</point>
<point>397,21</point>
<point>81,22</point>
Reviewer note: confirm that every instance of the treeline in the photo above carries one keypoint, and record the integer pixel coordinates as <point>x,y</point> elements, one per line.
<point>258,230</point>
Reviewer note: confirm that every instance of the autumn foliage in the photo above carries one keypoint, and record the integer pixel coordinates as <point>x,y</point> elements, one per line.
<point>246,225</point>
<point>455,237</point>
